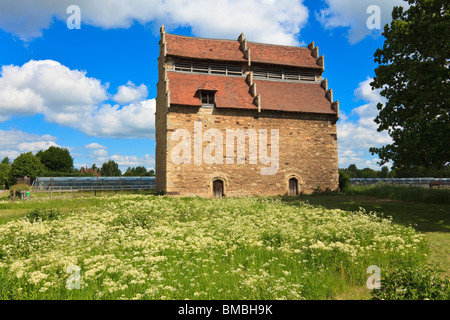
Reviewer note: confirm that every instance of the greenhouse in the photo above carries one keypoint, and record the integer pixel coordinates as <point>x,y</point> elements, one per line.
<point>94,183</point>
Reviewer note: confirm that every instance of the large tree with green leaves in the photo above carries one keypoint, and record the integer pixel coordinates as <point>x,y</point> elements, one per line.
<point>26,164</point>
<point>110,169</point>
<point>413,76</point>
<point>56,159</point>
<point>4,175</point>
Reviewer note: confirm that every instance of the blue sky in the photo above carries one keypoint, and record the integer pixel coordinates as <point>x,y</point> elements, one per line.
<point>92,89</point>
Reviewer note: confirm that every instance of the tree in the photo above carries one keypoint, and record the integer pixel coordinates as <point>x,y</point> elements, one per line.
<point>4,175</point>
<point>139,171</point>
<point>353,171</point>
<point>368,173</point>
<point>384,172</point>
<point>344,180</point>
<point>6,161</point>
<point>413,76</point>
<point>129,172</point>
<point>110,169</point>
<point>56,159</point>
<point>26,164</point>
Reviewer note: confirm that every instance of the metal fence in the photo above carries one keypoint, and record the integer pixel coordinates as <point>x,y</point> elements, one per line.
<point>93,183</point>
<point>416,182</point>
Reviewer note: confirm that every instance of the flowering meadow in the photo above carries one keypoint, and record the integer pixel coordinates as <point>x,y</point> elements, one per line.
<point>156,247</point>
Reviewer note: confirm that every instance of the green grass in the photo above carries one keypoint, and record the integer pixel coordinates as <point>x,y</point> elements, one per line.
<point>65,201</point>
<point>431,219</point>
<point>404,193</point>
<point>10,210</point>
<point>153,247</point>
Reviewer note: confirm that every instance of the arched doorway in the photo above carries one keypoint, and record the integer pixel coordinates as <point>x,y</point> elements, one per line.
<point>293,187</point>
<point>217,188</point>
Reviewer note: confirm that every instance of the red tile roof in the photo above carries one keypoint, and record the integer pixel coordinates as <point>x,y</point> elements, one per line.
<point>234,92</point>
<point>282,55</point>
<point>198,48</point>
<point>293,97</point>
<point>207,87</point>
<point>228,50</point>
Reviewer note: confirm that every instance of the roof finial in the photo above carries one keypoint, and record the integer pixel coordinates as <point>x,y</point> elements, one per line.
<point>163,29</point>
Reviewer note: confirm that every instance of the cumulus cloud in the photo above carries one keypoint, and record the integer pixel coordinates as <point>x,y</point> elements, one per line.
<point>355,137</point>
<point>261,20</point>
<point>47,87</point>
<point>130,93</point>
<point>14,142</point>
<point>70,98</point>
<point>353,15</point>
<point>98,153</point>
<point>135,120</point>
<point>95,145</point>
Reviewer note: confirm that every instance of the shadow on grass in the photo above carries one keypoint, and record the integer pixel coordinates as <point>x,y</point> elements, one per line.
<point>423,217</point>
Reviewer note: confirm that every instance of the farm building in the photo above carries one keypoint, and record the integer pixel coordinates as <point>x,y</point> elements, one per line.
<point>236,118</point>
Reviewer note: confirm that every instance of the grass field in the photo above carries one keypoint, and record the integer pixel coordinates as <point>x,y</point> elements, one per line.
<point>153,247</point>
<point>433,220</point>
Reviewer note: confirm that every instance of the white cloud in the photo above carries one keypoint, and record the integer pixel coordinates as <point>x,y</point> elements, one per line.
<point>130,121</point>
<point>261,20</point>
<point>95,145</point>
<point>49,88</point>
<point>130,93</point>
<point>98,153</point>
<point>70,98</point>
<point>13,143</point>
<point>355,137</point>
<point>353,15</point>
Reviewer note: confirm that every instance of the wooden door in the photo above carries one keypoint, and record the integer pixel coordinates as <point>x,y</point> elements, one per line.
<point>293,187</point>
<point>218,188</point>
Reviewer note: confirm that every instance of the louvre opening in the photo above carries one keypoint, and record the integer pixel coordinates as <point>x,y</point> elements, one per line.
<point>215,67</point>
<point>282,73</point>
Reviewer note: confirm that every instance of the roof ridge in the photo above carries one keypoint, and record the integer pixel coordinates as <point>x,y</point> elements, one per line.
<point>201,38</point>
<point>231,40</point>
<point>277,45</point>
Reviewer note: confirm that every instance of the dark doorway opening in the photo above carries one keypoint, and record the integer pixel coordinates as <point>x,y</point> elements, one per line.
<point>293,187</point>
<point>218,189</point>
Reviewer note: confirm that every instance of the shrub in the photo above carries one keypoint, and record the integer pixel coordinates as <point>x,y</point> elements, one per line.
<point>19,188</point>
<point>36,215</point>
<point>344,180</point>
<point>413,284</point>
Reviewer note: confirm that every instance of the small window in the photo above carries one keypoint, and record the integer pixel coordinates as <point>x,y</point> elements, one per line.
<point>207,98</point>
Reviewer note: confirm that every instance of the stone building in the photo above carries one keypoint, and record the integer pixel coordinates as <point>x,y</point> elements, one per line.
<point>238,118</point>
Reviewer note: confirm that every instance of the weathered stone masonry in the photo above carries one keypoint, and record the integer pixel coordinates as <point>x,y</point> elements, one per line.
<point>303,112</point>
